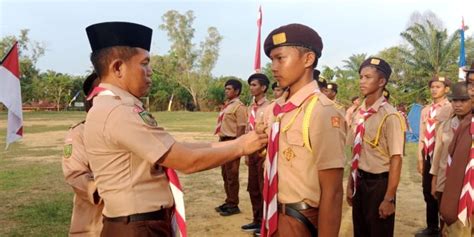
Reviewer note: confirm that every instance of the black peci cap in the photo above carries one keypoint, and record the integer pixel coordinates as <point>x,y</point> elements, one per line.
<point>88,83</point>
<point>110,34</point>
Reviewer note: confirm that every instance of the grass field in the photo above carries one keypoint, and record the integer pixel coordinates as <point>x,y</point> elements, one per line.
<point>35,200</point>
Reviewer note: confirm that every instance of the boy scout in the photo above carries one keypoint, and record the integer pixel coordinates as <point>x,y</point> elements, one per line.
<point>304,166</point>
<point>277,91</point>
<point>377,138</point>
<point>132,158</point>
<point>462,106</point>
<point>438,111</point>
<point>86,219</point>
<point>231,124</point>
<point>331,91</point>
<point>258,87</point>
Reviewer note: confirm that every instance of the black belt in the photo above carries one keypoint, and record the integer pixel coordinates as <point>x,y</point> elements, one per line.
<point>292,209</point>
<point>226,138</point>
<point>162,214</point>
<point>367,175</point>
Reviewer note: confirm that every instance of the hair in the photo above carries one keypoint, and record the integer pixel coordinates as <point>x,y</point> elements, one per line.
<point>354,98</point>
<point>303,50</point>
<point>274,85</point>
<point>236,84</point>
<point>260,81</point>
<point>102,58</point>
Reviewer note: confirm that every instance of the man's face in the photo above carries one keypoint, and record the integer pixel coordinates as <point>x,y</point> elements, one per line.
<point>330,94</point>
<point>230,92</point>
<point>137,73</point>
<point>370,81</point>
<point>256,89</point>
<point>277,92</point>
<point>288,65</point>
<point>461,107</point>
<point>356,102</point>
<point>438,90</point>
<point>470,86</point>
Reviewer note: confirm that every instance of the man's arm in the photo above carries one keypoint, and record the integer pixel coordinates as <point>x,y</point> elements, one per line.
<point>191,160</point>
<point>330,206</point>
<point>421,137</point>
<point>387,208</point>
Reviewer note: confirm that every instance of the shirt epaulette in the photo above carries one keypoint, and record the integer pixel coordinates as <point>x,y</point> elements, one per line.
<point>77,124</point>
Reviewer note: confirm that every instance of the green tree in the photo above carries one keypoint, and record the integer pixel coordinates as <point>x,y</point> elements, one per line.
<point>328,73</point>
<point>192,66</point>
<point>350,69</point>
<point>56,87</point>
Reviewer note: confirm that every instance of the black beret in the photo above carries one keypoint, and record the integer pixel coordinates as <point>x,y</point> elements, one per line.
<point>109,34</point>
<point>444,80</point>
<point>332,86</point>
<point>379,64</point>
<point>88,83</point>
<point>262,78</point>
<point>294,35</point>
<point>322,83</point>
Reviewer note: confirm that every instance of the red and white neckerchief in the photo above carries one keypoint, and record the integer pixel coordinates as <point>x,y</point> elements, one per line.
<point>270,181</point>
<point>253,114</point>
<point>466,200</point>
<point>430,132</point>
<point>98,91</point>
<point>270,184</point>
<point>220,118</point>
<point>178,219</point>
<point>454,127</point>
<point>359,140</point>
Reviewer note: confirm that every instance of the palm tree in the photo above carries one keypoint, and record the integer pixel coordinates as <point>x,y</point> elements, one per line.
<point>352,64</point>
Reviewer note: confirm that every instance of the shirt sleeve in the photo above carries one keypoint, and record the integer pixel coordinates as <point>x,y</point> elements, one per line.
<point>131,131</point>
<point>438,150</point>
<point>394,135</point>
<point>241,115</point>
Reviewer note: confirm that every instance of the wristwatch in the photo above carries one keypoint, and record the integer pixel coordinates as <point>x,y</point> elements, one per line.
<point>391,200</point>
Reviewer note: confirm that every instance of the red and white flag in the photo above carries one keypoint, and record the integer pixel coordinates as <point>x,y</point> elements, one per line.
<point>10,94</point>
<point>256,65</point>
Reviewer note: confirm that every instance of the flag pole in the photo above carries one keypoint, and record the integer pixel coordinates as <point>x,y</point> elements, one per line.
<point>257,65</point>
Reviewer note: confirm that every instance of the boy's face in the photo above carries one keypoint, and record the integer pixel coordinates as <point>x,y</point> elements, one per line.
<point>288,65</point>
<point>438,89</point>
<point>137,73</point>
<point>470,86</point>
<point>461,107</point>
<point>256,88</point>
<point>277,92</point>
<point>230,92</point>
<point>370,80</point>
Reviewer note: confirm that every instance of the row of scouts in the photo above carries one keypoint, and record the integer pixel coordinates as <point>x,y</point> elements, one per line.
<point>444,155</point>
<point>121,160</point>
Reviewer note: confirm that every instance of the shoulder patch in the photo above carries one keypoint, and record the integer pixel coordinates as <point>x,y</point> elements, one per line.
<point>336,122</point>
<point>67,150</point>
<point>148,118</point>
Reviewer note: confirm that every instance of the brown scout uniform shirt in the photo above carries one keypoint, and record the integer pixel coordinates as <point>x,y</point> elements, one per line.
<point>298,178</point>
<point>444,137</point>
<point>260,110</point>
<point>372,159</point>
<point>86,217</point>
<point>443,113</point>
<point>125,145</point>
<point>235,115</point>
<point>459,149</point>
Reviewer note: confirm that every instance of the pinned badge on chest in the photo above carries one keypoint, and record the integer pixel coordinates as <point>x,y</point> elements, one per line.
<point>67,151</point>
<point>289,154</point>
<point>148,118</point>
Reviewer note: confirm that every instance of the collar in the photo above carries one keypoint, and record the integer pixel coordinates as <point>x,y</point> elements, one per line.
<point>123,94</point>
<point>376,106</point>
<point>300,96</point>
<point>259,102</point>
<point>441,103</point>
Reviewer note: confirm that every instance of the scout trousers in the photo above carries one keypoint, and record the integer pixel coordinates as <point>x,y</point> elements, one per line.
<point>289,226</point>
<point>255,186</point>
<point>160,227</point>
<point>432,219</point>
<point>365,209</point>
<point>230,175</point>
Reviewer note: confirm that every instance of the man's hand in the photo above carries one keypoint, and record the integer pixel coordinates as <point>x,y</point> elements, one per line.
<point>349,192</point>
<point>433,187</point>
<point>252,142</point>
<point>386,209</point>
<point>420,167</point>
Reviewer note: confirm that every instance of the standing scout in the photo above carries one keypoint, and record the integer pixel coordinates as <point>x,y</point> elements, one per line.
<point>438,111</point>
<point>86,219</point>
<point>445,132</point>
<point>277,91</point>
<point>258,87</point>
<point>132,158</point>
<point>231,124</point>
<point>304,166</point>
<point>377,138</point>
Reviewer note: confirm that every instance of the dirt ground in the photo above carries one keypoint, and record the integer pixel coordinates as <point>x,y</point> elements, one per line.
<point>204,191</point>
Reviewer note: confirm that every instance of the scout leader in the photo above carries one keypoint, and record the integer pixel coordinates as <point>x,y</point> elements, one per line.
<point>86,219</point>
<point>445,132</point>
<point>231,124</point>
<point>431,115</point>
<point>258,84</point>
<point>304,166</point>
<point>376,135</point>
<point>132,158</point>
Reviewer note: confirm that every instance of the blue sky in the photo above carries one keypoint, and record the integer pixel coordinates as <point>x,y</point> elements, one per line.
<point>346,27</point>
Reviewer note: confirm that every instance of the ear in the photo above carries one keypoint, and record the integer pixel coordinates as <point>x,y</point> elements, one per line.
<point>446,89</point>
<point>382,82</point>
<point>310,59</point>
<point>116,68</point>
